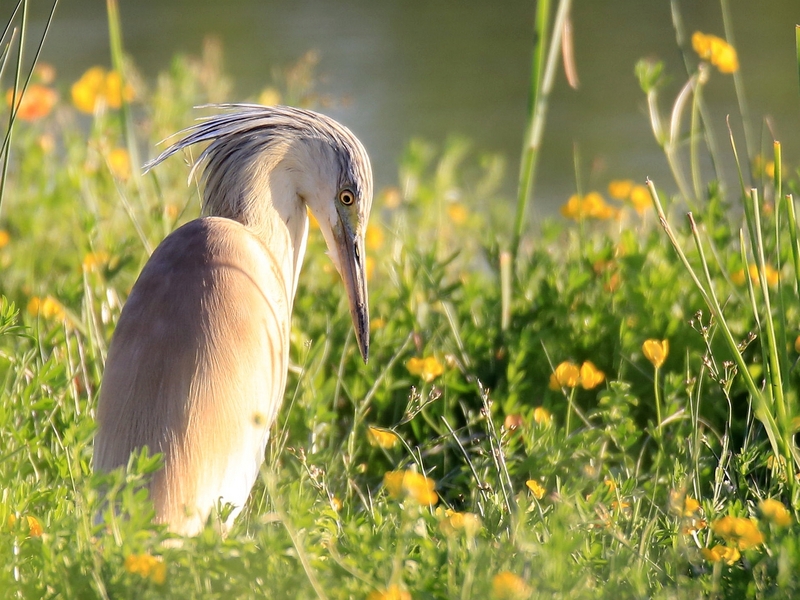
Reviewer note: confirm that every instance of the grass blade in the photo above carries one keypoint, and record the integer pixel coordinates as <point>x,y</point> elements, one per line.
<point>542,78</point>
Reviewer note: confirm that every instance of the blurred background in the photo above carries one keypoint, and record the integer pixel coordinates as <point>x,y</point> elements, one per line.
<point>436,68</point>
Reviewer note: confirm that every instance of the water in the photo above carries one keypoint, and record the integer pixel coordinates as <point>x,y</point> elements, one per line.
<point>433,68</point>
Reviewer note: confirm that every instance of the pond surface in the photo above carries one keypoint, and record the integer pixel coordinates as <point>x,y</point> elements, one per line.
<point>433,68</point>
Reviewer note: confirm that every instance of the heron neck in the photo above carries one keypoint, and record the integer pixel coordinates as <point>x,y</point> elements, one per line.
<point>271,208</point>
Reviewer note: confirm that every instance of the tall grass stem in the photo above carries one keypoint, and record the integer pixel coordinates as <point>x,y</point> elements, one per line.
<point>542,78</point>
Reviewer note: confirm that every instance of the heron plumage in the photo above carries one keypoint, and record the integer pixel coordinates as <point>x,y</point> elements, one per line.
<point>197,366</point>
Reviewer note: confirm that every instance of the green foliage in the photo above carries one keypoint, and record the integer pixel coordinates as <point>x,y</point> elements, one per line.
<point>580,493</point>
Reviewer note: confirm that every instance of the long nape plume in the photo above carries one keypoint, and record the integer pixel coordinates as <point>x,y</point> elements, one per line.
<point>252,127</point>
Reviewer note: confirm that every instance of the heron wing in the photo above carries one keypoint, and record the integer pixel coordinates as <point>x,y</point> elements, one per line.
<point>197,368</point>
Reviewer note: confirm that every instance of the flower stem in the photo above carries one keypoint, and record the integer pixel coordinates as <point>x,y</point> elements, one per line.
<point>570,408</point>
<point>657,392</point>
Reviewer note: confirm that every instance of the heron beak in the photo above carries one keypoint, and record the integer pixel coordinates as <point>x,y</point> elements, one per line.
<point>352,260</point>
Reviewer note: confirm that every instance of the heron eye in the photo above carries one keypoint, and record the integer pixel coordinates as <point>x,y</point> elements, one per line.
<point>347,197</point>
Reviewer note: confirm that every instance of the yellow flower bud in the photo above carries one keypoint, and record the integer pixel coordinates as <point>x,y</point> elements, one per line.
<point>656,351</point>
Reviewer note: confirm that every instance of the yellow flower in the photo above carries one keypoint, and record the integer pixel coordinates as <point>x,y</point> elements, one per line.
<point>392,197</point>
<point>146,566</point>
<point>689,510</point>
<point>37,102</point>
<point>538,489</point>
<point>592,205</point>
<point>46,142</point>
<point>377,323</point>
<point>572,208</point>
<point>381,438</point>
<point>34,527</point>
<point>336,504</point>
<point>369,267</point>
<point>410,484</point>
<point>97,85</point>
<point>457,212</point>
<point>374,237</point>
<point>114,92</point>
<point>690,506</point>
<point>620,189</point>
<point>682,505</point>
<point>93,260</point>
<point>45,73</point>
<point>269,97</point>
<point>48,308</point>
<point>591,376</point>
<point>427,368</point>
<point>739,532</point>
<point>119,163</point>
<point>4,238</point>
<point>692,525</point>
<point>507,586</point>
<point>567,374</point>
<point>596,207</point>
<point>170,212</point>
<point>621,506</point>
<point>87,89</point>
<point>717,51</point>
<point>393,592</point>
<point>542,416</point>
<point>656,351</point>
<point>772,276</point>
<point>455,522</point>
<point>763,167</point>
<point>640,199</point>
<point>513,422</point>
<point>721,553</point>
<point>796,340</point>
<point>775,512</point>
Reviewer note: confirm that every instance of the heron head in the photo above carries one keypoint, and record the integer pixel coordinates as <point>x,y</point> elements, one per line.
<point>339,196</point>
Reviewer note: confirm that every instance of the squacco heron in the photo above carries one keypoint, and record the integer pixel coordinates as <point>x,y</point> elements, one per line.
<point>197,365</point>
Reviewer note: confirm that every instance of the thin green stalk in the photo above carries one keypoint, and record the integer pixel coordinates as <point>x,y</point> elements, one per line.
<point>795,239</point>
<point>779,445</point>
<point>762,409</point>
<point>5,149</point>
<point>675,244</point>
<point>295,536</point>
<point>118,64</point>
<point>505,290</point>
<point>778,211</point>
<point>775,377</point>
<point>570,408</point>
<point>694,129</point>
<point>738,84</point>
<point>542,78</point>
<point>705,116</point>
<point>657,393</point>
<point>672,143</point>
<point>481,485</point>
<point>527,167</point>
<point>797,45</point>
